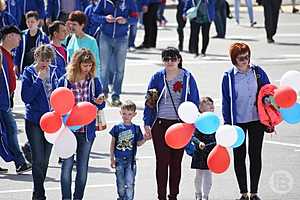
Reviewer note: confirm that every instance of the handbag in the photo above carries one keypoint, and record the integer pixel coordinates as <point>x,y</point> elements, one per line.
<point>202,13</point>
<point>192,12</point>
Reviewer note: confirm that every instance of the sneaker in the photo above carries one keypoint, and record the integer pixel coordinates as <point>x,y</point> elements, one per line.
<point>243,198</point>
<point>270,40</point>
<point>255,197</point>
<point>3,170</point>
<point>253,23</point>
<point>116,102</point>
<point>27,152</point>
<point>295,10</point>
<point>131,49</point>
<point>23,168</point>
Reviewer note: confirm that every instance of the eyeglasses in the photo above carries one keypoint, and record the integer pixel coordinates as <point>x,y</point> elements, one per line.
<point>167,59</point>
<point>242,58</point>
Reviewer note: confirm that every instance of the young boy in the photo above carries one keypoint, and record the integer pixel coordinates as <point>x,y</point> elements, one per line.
<point>126,136</point>
<point>203,146</point>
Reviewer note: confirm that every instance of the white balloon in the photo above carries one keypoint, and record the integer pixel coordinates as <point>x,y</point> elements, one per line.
<point>51,137</point>
<point>226,135</point>
<point>188,112</point>
<point>292,79</point>
<point>66,143</point>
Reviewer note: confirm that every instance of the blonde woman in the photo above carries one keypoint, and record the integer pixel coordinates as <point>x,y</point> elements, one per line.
<point>39,80</point>
<point>80,78</point>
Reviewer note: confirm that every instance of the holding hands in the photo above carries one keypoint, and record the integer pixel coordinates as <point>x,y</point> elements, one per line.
<point>119,20</point>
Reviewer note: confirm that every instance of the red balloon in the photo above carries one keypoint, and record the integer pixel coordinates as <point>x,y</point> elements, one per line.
<point>62,100</point>
<point>50,122</point>
<point>178,135</point>
<point>285,96</point>
<point>218,159</point>
<point>82,114</point>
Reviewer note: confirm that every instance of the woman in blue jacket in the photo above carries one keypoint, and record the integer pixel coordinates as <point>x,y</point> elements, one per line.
<point>80,78</point>
<point>39,80</point>
<point>240,87</point>
<point>174,85</point>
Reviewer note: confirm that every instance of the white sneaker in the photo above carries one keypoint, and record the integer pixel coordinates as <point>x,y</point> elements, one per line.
<point>131,49</point>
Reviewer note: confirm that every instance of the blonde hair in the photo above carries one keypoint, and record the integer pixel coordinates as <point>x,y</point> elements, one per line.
<point>2,5</point>
<point>43,52</point>
<point>82,55</point>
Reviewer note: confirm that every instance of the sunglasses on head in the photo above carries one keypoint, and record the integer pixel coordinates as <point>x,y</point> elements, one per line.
<point>242,58</point>
<point>172,59</point>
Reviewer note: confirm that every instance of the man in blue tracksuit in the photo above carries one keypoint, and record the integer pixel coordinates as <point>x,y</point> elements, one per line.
<point>60,9</point>
<point>115,17</point>
<point>14,7</point>
<point>92,28</point>
<point>6,19</point>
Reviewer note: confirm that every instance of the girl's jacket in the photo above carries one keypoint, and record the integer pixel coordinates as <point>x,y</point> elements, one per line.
<point>95,88</point>
<point>189,93</point>
<point>33,93</point>
<point>229,108</point>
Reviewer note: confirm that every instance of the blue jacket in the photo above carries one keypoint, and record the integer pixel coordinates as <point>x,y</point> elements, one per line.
<point>33,93</point>
<point>20,52</point>
<point>210,7</point>
<point>53,7</point>
<point>189,93</point>
<point>14,7</point>
<point>59,60</point>
<point>124,8</point>
<point>93,22</point>
<point>95,89</point>
<point>4,87</point>
<point>36,5</point>
<point>7,19</point>
<point>229,96</point>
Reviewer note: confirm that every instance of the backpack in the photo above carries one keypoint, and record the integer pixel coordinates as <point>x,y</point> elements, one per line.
<point>5,153</point>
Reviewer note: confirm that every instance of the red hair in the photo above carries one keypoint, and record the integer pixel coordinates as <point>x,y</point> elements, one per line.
<point>237,49</point>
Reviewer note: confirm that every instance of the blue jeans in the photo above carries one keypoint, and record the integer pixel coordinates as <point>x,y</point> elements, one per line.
<point>220,18</point>
<point>82,161</point>
<point>12,136</point>
<point>132,35</point>
<point>125,174</point>
<point>116,49</point>
<point>237,10</point>
<point>41,150</point>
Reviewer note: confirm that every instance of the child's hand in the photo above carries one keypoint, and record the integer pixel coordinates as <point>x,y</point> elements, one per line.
<point>112,163</point>
<point>148,132</point>
<point>201,145</point>
<point>147,137</point>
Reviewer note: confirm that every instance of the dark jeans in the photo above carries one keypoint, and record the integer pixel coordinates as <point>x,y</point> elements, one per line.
<point>194,38</point>
<point>132,35</point>
<point>220,18</point>
<point>255,131</point>
<point>12,136</point>
<point>167,159</point>
<point>82,161</point>
<point>181,24</point>
<point>41,150</point>
<point>271,13</point>
<point>150,25</point>
<point>125,174</point>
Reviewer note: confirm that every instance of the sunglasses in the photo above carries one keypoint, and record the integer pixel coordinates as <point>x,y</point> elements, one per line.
<point>167,59</point>
<point>242,58</point>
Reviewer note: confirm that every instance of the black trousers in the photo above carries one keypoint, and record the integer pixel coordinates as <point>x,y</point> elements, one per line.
<point>194,37</point>
<point>255,131</point>
<point>150,25</point>
<point>271,13</point>
<point>168,161</point>
<point>181,24</point>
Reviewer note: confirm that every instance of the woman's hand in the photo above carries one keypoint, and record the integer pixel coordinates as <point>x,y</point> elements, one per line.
<point>148,134</point>
<point>110,19</point>
<point>42,74</point>
<point>100,99</point>
<point>121,20</point>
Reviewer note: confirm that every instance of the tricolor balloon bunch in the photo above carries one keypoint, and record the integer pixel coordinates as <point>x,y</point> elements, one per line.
<point>285,97</point>
<point>179,135</point>
<point>65,118</point>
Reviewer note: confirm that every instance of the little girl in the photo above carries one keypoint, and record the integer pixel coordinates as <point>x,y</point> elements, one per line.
<point>203,146</point>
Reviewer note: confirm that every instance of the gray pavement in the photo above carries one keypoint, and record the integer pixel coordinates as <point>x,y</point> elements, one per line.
<point>281,153</point>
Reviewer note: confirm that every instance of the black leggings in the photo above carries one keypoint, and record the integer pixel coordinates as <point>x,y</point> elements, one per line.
<point>194,37</point>
<point>255,132</point>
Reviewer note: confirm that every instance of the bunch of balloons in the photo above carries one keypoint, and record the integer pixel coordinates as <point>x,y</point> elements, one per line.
<point>286,97</point>
<point>179,135</point>
<point>65,118</point>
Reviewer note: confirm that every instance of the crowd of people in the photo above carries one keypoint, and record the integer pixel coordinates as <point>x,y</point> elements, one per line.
<point>82,45</point>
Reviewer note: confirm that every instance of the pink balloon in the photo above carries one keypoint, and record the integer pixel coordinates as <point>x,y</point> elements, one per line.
<point>178,135</point>
<point>62,100</point>
<point>50,122</point>
<point>82,114</point>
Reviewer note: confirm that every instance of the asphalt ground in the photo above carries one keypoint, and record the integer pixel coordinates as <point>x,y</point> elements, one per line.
<point>281,152</point>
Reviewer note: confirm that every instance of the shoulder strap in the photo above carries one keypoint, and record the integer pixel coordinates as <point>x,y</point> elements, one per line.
<point>166,82</point>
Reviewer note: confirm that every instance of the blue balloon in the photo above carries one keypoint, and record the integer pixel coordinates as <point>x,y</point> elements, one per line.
<point>74,128</point>
<point>240,137</point>
<point>292,114</point>
<point>207,123</point>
